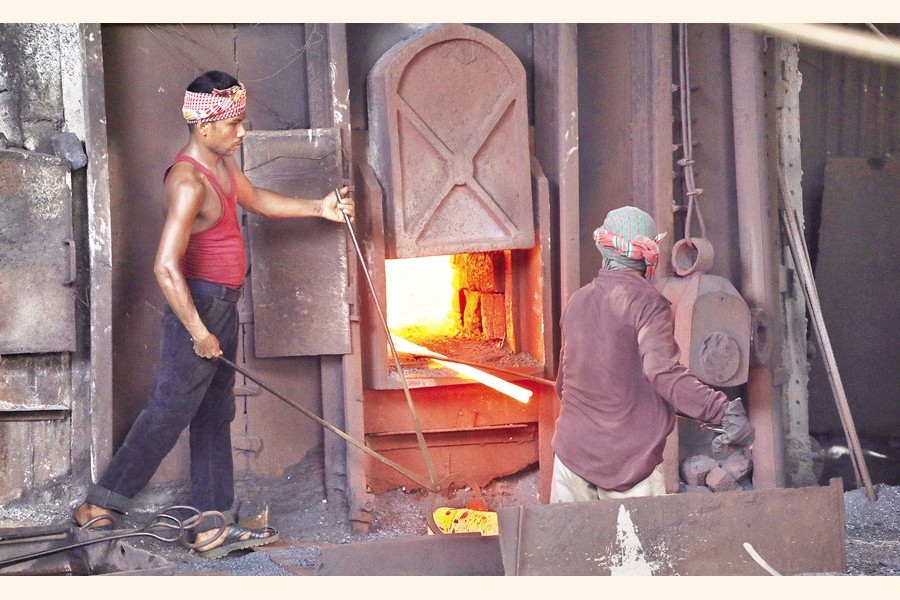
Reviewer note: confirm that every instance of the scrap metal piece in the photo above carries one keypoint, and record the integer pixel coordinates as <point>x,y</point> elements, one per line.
<point>797,530</point>
<point>88,553</point>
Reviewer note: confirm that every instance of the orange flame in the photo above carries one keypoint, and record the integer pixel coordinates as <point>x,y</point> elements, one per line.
<point>420,295</point>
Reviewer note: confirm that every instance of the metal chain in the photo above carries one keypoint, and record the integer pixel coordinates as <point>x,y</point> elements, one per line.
<point>687,140</point>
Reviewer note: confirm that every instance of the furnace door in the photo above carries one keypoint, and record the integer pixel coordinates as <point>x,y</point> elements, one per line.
<point>448,121</point>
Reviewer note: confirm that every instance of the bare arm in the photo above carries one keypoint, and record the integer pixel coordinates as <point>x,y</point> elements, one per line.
<point>274,205</point>
<point>183,199</point>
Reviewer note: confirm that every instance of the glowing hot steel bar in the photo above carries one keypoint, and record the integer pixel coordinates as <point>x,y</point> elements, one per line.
<point>510,389</point>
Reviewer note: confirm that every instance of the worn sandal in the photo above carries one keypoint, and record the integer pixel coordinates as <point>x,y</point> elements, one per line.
<point>100,522</point>
<point>233,540</point>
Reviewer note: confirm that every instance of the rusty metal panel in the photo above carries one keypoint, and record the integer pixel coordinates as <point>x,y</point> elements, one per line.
<point>35,388</point>
<point>794,530</point>
<point>469,428</point>
<point>36,254</point>
<point>448,118</point>
<point>482,453</point>
<point>857,289</point>
<point>298,266</point>
<point>444,555</point>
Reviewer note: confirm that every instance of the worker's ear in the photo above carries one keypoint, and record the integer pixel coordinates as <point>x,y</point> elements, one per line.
<point>203,128</point>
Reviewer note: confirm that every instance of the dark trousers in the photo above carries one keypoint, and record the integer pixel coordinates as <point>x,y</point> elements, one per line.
<point>189,391</point>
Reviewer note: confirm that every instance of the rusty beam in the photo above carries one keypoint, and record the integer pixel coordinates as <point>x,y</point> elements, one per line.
<point>556,143</point>
<point>555,173</point>
<point>329,106</point>
<point>758,248</point>
<point>651,150</point>
<point>100,373</point>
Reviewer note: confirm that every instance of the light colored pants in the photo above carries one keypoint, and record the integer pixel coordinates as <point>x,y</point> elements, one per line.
<point>569,487</point>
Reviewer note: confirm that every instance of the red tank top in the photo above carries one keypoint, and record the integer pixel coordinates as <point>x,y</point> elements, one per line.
<point>215,254</point>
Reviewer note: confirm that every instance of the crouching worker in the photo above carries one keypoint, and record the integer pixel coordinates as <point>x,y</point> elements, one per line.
<point>200,266</point>
<point>620,380</point>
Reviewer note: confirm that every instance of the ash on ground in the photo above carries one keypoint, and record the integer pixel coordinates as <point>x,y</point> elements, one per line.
<point>873,531</point>
<point>306,522</point>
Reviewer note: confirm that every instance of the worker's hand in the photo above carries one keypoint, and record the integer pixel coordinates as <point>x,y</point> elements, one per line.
<point>207,346</point>
<point>738,431</point>
<point>338,207</point>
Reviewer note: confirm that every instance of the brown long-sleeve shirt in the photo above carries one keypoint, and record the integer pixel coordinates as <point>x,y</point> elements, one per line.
<point>620,381</point>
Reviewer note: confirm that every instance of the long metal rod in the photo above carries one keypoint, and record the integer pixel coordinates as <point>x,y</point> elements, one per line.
<point>477,365</point>
<point>398,467</point>
<point>161,522</point>
<point>429,464</point>
<point>543,381</point>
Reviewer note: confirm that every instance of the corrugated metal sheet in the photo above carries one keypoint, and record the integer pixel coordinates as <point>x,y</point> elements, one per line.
<point>848,107</point>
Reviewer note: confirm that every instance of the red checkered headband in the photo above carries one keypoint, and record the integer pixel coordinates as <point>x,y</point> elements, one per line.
<point>200,107</point>
<point>628,240</point>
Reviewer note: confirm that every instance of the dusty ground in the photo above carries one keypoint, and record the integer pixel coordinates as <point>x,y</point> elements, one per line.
<point>307,523</point>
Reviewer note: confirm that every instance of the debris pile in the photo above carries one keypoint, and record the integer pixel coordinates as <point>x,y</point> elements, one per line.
<point>702,473</point>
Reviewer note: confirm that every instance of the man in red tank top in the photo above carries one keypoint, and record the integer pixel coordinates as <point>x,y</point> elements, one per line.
<point>200,265</point>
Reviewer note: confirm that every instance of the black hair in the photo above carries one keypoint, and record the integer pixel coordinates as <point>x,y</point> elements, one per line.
<point>211,80</point>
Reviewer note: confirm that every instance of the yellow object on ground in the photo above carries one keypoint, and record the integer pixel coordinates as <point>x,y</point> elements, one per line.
<point>466,520</point>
